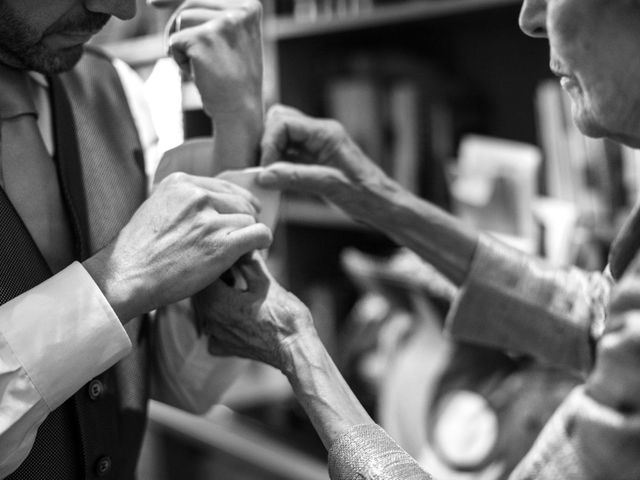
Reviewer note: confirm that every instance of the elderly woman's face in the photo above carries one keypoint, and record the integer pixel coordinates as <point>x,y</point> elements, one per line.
<point>595,50</point>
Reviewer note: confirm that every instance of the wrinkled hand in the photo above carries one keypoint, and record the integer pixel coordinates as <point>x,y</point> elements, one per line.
<point>182,238</point>
<point>320,158</point>
<point>220,42</point>
<point>258,323</point>
<point>614,380</point>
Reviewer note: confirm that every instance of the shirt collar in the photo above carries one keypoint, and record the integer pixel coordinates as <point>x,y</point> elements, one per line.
<point>39,78</point>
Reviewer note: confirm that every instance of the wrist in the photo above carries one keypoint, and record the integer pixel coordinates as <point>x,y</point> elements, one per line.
<point>247,115</point>
<point>300,353</point>
<point>321,389</point>
<point>236,138</point>
<point>123,296</point>
<point>381,200</point>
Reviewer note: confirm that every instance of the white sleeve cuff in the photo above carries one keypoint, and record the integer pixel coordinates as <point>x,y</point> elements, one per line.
<point>63,332</point>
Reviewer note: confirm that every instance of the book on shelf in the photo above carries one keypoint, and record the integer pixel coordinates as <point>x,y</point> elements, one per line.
<point>496,186</point>
<point>398,110</point>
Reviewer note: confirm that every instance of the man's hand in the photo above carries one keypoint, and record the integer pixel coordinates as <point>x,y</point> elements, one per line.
<point>324,161</point>
<point>189,231</point>
<point>220,42</point>
<point>259,323</point>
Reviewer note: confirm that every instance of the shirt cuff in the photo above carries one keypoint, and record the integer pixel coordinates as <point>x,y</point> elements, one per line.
<point>518,303</point>
<point>63,333</point>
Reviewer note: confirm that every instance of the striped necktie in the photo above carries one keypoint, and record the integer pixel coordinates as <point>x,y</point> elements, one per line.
<point>29,175</point>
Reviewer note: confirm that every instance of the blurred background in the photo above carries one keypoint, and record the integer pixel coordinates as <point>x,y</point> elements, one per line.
<point>459,106</point>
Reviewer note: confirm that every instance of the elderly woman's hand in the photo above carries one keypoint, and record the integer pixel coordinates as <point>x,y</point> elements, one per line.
<point>259,322</point>
<point>317,156</point>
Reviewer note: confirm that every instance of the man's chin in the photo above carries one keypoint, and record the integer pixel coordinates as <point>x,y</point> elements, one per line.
<point>51,62</point>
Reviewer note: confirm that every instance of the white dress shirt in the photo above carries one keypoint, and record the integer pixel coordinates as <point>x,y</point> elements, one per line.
<point>51,343</point>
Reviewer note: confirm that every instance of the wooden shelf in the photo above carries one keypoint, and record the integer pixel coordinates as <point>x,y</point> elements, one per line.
<point>147,49</point>
<point>386,15</point>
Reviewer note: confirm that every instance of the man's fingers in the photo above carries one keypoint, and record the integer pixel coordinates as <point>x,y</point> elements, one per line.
<point>214,185</point>
<point>247,239</point>
<point>230,203</point>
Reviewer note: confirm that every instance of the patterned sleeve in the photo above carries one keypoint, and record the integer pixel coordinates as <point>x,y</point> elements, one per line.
<point>519,303</point>
<point>585,440</point>
<point>367,452</point>
<point>595,434</point>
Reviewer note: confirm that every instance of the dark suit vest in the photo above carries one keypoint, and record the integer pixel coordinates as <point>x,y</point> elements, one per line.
<point>104,427</point>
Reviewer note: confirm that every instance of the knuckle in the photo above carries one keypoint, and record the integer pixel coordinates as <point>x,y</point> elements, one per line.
<point>277,110</point>
<point>232,17</point>
<point>254,8</point>
<point>213,29</point>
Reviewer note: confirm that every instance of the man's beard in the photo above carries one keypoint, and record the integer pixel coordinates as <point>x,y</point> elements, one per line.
<point>21,47</point>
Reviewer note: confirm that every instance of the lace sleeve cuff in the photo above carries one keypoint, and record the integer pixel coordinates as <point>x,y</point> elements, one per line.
<point>367,452</point>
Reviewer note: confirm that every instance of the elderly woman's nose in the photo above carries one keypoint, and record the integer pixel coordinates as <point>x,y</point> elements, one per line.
<point>533,18</point>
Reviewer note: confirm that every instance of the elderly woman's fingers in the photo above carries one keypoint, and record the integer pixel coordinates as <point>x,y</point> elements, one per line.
<point>316,179</point>
<point>286,128</point>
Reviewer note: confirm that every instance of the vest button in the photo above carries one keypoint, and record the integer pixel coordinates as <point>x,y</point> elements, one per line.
<point>96,388</point>
<point>103,466</point>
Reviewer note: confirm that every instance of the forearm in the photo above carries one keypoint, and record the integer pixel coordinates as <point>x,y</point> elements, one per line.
<point>125,292</point>
<point>236,139</point>
<point>358,448</point>
<point>322,391</point>
<point>438,237</point>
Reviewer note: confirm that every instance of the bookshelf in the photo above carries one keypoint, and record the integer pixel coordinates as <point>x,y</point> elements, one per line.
<point>474,44</point>
<point>277,29</point>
